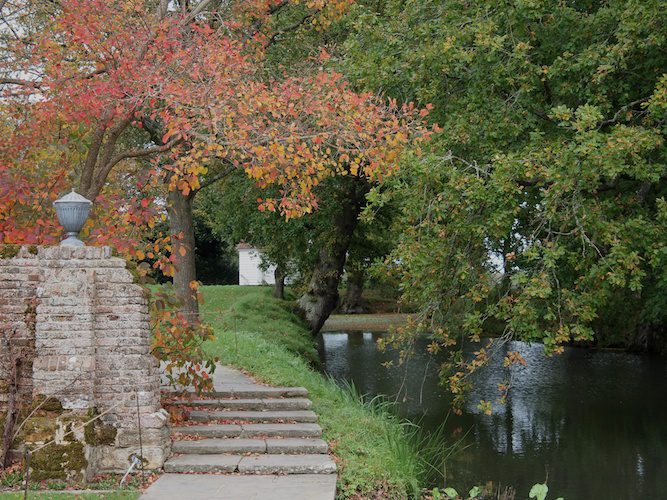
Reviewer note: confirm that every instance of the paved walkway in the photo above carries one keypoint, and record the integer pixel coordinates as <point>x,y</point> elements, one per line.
<point>250,441</point>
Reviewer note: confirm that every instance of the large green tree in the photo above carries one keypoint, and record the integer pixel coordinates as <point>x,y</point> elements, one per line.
<point>540,207</point>
<point>295,246</point>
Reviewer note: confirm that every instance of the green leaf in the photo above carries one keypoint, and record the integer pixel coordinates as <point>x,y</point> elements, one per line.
<point>474,492</point>
<point>539,491</point>
<point>451,492</point>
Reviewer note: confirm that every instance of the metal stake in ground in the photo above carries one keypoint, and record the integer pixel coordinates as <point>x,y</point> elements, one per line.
<point>26,474</point>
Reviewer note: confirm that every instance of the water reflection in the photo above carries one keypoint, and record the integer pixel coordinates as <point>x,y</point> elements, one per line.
<point>595,422</point>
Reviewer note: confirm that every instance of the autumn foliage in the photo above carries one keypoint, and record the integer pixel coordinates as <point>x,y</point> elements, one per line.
<point>125,99</point>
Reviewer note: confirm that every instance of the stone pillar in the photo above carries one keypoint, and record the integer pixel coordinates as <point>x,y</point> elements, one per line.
<point>92,356</point>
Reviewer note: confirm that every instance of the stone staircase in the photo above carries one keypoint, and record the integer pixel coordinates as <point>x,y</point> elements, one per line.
<point>247,428</point>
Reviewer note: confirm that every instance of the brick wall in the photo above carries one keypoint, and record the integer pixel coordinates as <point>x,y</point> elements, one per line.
<point>91,338</point>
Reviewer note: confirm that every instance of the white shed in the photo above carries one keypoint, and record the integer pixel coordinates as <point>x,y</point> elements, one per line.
<point>250,272</point>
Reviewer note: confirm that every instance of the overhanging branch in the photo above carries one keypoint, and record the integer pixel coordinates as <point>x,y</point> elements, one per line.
<point>218,177</point>
<point>138,153</point>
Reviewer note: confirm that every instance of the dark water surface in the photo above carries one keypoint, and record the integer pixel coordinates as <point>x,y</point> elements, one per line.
<point>594,421</point>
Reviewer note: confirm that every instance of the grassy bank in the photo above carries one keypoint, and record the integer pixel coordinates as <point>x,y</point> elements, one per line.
<point>364,322</point>
<point>259,333</point>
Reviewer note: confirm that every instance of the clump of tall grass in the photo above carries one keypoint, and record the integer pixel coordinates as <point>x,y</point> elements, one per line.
<point>421,456</point>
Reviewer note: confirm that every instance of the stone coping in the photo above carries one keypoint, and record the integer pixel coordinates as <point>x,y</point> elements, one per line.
<point>58,252</point>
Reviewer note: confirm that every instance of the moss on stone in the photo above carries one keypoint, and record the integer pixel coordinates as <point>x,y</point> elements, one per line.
<point>52,404</point>
<point>38,429</point>
<point>33,250</point>
<point>131,266</point>
<point>98,433</point>
<point>59,461</point>
<point>9,251</point>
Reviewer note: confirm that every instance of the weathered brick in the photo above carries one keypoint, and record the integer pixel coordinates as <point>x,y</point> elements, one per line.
<point>91,340</point>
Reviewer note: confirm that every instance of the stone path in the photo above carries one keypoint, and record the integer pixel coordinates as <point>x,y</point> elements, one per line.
<point>249,441</point>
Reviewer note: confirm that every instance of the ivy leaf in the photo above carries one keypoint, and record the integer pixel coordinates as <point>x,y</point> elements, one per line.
<point>539,491</point>
<point>451,493</point>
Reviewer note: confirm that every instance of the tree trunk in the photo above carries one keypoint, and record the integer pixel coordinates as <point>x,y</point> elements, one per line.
<point>321,298</point>
<point>279,287</point>
<point>182,231</point>
<point>353,302</point>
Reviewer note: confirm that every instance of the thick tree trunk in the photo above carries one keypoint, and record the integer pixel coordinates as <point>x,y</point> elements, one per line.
<point>321,297</point>
<point>353,302</point>
<point>279,287</point>
<point>182,231</point>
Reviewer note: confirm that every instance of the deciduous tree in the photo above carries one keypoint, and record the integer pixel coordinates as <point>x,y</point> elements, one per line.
<point>540,211</point>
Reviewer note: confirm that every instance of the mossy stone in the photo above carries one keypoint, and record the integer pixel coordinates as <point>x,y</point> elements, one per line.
<point>52,404</point>
<point>133,269</point>
<point>98,433</point>
<point>39,429</point>
<point>9,251</point>
<point>59,461</point>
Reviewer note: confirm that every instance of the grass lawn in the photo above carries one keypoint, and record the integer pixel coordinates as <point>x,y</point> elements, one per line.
<point>261,335</point>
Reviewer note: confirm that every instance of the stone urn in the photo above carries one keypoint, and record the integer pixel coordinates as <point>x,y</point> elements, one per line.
<point>73,210</point>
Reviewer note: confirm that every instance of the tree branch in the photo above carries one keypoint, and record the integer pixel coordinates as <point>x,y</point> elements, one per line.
<point>138,153</point>
<point>22,83</point>
<point>276,8</point>
<point>91,160</point>
<point>196,11</point>
<point>618,114</point>
<point>221,175</point>
<point>37,85</point>
<point>274,38</point>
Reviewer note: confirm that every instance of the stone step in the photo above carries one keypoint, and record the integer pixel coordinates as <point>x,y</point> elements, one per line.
<point>287,446</point>
<point>297,446</point>
<point>255,416</point>
<point>260,464</point>
<point>242,487</point>
<point>203,463</point>
<point>250,404</point>
<point>255,392</point>
<point>287,464</point>
<point>219,446</point>
<point>213,431</point>
<point>282,430</point>
<point>300,430</point>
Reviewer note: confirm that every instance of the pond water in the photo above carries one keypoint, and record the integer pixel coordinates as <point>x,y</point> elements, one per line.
<point>593,422</point>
